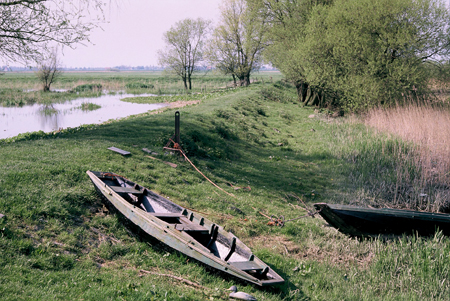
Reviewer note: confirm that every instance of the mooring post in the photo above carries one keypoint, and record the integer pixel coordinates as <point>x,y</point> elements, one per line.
<point>177,127</point>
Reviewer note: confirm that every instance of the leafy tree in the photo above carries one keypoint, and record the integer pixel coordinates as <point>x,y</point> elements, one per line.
<point>29,28</point>
<point>49,70</point>
<point>288,20</point>
<point>357,53</point>
<point>237,43</point>
<point>184,48</point>
<point>373,52</point>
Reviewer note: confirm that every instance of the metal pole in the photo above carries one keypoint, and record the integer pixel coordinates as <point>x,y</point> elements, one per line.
<point>177,127</point>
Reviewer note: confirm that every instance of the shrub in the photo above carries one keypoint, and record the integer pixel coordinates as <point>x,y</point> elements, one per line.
<point>87,88</point>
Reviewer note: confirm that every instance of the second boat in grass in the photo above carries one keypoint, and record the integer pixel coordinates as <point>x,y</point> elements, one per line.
<point>374,222</point>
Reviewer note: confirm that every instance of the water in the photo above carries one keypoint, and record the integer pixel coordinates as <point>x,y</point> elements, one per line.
<point>48,118</point>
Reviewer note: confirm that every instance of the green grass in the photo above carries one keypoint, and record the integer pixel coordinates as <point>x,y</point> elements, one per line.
<point>260,137</point>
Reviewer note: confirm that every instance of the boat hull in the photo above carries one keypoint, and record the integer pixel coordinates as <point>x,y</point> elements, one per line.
<point>183,230</point>
<point>372,222</point>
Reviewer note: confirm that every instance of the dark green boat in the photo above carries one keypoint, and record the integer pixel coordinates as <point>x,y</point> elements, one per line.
<point>373,222</point>
<point>182,229</point>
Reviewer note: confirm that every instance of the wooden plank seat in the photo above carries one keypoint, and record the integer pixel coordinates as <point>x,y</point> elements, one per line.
<point>120,189</point>
<point>187,225</point>
<point>247,266</point>
<point>191,227</point>
<point>184,223</point>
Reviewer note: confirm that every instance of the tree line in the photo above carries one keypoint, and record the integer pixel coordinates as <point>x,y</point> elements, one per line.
<point>234,46</point>
<point>351,54</point>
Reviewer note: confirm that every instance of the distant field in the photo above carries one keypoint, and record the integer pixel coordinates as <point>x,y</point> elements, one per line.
<point>119,80</point>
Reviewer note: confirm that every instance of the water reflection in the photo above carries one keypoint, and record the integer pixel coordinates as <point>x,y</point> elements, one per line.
<point>17,120</point>
<point>48,110</point>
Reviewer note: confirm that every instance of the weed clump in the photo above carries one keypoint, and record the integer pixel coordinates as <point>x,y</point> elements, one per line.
<point>135,85</point>
<point>88,106</point>
<point>87,88</point>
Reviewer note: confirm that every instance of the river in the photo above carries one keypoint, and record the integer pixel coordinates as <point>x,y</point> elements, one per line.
<point>48,118</point>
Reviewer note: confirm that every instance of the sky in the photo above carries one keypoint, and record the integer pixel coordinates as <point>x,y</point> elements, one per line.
<point>134,33</point>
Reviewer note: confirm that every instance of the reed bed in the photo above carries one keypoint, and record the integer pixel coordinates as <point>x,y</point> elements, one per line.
<point>426,130</point>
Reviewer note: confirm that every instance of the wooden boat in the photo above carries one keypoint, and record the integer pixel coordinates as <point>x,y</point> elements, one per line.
<point>372,222</point>
<point>183,230</point>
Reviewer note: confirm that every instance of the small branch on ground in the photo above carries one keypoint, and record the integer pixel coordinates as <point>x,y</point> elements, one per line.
<point>104,235</point>
<point>185,281</point>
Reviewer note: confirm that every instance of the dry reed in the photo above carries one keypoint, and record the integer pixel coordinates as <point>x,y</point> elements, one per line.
<point>427,127</point>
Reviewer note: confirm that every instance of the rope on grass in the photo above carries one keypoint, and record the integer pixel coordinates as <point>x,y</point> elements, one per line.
<point>178,148</point>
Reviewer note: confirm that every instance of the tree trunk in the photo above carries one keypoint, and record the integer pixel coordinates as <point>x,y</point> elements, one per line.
<point>307,95</point>
<point>190,82</point>
<point>234,80</point>
<point>313,99</point>
<point>185,83</point>
<point>247,80</point>
<point>316,98</point>
<point>46,88</point>
<point>310,96</point>
<point>302,90</point>
<point>241,81</point>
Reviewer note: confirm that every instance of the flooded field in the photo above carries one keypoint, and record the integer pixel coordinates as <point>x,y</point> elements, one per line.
<point>17,120</point>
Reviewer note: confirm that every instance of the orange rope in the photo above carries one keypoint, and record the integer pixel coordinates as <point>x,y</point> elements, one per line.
<point>230,194</point>
<point>177,147</point>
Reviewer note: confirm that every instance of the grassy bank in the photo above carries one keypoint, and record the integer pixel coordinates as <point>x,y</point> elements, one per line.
<point>59,242</point>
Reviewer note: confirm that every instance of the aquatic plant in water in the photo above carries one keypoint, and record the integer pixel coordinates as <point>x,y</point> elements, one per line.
<point>88,106</point>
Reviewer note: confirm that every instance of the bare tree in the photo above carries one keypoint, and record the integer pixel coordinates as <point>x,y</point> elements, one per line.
<point>29,28</point>
<point>223,56</point>
<point>49,70</point>
<point>184,48</point>
<point>237,43</point>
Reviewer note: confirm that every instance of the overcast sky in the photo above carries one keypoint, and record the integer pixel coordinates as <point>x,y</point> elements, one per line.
<point>134,32</point>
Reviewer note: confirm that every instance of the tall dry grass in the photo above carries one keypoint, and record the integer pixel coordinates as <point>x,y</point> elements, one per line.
<point>427,127</point>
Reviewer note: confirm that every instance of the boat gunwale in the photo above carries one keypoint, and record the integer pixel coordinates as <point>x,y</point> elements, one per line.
<point>338,216</point>
<point>405,213</point>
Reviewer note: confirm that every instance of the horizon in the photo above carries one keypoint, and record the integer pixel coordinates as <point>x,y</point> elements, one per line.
<point>121,68</point>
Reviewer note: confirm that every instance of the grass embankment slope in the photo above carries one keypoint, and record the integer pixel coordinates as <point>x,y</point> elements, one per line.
<point>58,242</point>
